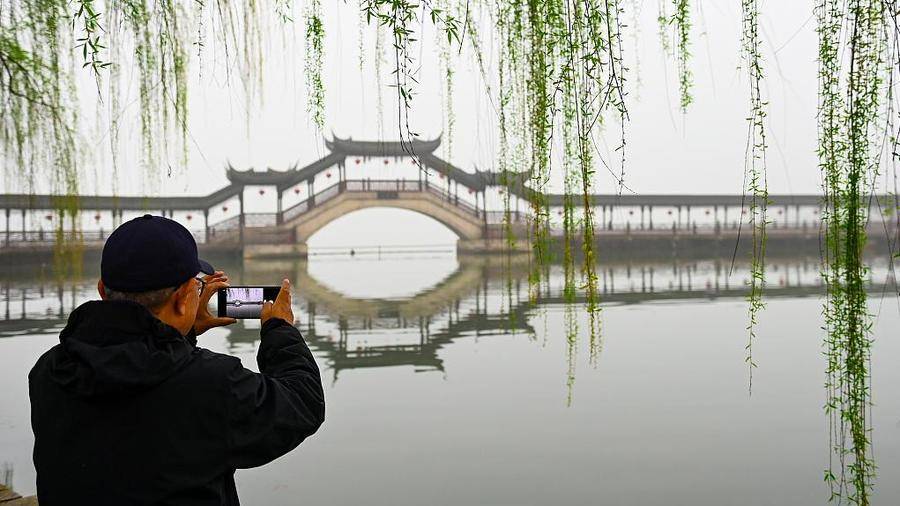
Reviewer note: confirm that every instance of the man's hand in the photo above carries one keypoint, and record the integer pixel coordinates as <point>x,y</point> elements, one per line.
<point>281,308</point>
<point>205,321</point>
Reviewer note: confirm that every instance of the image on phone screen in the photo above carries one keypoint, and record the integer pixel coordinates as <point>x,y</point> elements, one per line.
<point>244,301</point>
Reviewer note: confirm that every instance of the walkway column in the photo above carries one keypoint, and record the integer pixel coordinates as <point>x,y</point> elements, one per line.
<point>205,225</point>
<point>7,228</point>
<point>23,224</point>
<point>651,216</point>
<point>642,217</point>
<point>278,211</point>
<point>241,210</point>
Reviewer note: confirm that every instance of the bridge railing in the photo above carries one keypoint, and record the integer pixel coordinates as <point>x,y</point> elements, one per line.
<point>453,199</point>
<point>255,220</point>
<point>497,217</point>
<point>371,185</point>
<point>29,238</point>
<point>224,227</point>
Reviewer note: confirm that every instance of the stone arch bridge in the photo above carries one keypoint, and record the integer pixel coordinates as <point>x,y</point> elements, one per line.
<point>308,198</point>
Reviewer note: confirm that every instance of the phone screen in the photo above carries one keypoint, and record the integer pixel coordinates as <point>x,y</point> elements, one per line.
<point>245,301</point>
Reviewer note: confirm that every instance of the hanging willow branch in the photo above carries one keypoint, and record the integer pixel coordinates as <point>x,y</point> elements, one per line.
<point>315,56</point>
<point>849,153</point>
<point>682,21</point>
<point>755,169</point>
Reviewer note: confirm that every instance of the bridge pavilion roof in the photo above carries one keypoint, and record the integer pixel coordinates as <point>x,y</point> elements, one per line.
<point>340,149</point>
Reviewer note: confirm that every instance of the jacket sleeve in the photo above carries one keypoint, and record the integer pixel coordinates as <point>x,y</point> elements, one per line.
<point>273,411</point>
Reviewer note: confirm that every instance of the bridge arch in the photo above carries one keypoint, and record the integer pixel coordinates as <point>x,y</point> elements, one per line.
<point>382,226</point>
<point>465,224</point>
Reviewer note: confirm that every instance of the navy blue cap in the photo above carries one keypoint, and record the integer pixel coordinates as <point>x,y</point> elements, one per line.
<point>149,253</point>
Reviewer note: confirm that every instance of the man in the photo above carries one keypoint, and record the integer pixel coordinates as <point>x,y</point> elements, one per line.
<point>127,410</point>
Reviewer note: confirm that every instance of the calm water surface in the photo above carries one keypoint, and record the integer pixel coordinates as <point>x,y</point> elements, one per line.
<point>446,385</point>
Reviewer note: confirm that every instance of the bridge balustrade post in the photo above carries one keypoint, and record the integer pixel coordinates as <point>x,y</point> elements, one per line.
<point>205,226</point>
<point>241,219</point>
<point>278,207</point>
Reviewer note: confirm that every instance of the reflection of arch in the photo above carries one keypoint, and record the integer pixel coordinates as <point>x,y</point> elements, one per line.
<point>467,278</point>
<point>465,225</point>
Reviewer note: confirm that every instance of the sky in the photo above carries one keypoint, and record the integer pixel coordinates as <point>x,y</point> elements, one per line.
<point>698,151</point>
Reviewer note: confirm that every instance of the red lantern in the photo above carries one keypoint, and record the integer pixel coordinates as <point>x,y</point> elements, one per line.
<point>357,161</point>
<point>780,211</point>
<point>631,212</point>
<point>97,217</point>
<point>385,161</point>
<point>49,217</point>
<point>707,212</point>
<point>225,209</point>
<point>262,192</point>
<point>296,191</point>
<point>670,212</point>
<point>559,213</point>
<point>471,191</point>
<point>328,174</point>
<point>744,212</point>
<point>189,217</point>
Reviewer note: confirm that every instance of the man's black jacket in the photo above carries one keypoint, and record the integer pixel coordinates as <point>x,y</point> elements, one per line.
<point>127,411</point>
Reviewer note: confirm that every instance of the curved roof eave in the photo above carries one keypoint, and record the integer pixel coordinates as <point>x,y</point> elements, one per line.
<point>381,148</point>
<point>283,179</point>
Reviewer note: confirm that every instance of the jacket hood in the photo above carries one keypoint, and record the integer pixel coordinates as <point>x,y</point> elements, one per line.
<point>112,348</point>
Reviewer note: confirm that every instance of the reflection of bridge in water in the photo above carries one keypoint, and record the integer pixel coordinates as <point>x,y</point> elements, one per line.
<point>483,297</point>
<point>468,203</point>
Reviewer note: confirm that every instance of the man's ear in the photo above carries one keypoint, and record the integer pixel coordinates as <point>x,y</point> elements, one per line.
<point>101,289</point>
<point>181,297</point>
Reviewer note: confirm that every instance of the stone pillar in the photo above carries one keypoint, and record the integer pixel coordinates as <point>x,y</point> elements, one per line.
<point>241,211</point>
<point>7,228</point>
<point>205,226</point>
<point>278,207</point>
<point>650,208</point>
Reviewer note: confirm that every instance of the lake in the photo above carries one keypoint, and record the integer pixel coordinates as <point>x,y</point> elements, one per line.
<point>448,384</point>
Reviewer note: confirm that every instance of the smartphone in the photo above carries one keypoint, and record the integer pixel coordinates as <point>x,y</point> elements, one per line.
<point>245,301</point>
